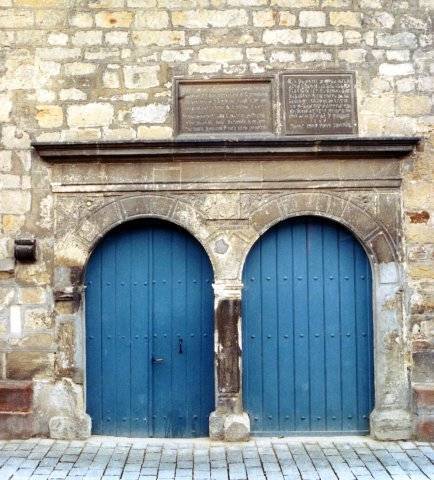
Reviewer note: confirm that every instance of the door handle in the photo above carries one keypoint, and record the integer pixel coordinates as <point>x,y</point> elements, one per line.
<point>157,360</point>
<point>180,350</point>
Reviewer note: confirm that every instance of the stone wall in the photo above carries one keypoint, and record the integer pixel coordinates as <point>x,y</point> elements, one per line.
<point>102,70</point>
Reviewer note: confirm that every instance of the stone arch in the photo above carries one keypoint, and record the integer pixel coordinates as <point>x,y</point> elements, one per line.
<point>75,249</point>
<point>371,233</point>
<point>391,412</point>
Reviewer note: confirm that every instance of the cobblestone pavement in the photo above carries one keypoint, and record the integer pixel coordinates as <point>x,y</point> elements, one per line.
<point>108,458</point>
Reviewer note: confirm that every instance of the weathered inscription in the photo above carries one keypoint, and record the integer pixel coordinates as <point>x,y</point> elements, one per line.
<point>222,106</point>
<point>319,104</point>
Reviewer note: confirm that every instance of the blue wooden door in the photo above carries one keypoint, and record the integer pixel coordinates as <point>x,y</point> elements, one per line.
<point>307,330</point>
<point>149,331</point>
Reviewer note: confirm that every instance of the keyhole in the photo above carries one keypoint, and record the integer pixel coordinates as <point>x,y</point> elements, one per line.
<point>180,345</point>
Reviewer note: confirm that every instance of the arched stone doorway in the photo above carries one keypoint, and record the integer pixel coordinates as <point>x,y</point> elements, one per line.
<point>149,332</point>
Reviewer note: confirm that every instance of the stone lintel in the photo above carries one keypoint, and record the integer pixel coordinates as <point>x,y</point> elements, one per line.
<point>208,148</point>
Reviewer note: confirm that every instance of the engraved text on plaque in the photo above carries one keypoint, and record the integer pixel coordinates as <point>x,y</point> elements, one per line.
<point>319,103</point>
<point>224,106</point>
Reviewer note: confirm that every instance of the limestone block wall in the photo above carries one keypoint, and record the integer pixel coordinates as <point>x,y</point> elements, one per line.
<point>87,70</point>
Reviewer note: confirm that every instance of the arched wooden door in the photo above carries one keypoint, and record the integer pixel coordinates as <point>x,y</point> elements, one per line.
<point>149,331</point>
<point>307,330</point>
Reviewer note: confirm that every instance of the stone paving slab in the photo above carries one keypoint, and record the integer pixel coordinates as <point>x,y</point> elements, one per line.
<point>295,458</point>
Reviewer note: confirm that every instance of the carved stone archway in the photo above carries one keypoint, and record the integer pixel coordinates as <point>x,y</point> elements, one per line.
<point>391,382</point>
<point>284,177</point>
<point>77,245</point>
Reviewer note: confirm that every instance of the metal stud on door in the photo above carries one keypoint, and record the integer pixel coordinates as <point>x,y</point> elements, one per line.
<point>149,324</point>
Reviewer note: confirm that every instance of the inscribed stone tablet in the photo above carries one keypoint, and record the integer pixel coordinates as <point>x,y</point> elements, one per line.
<point>224,106</point>
<point>319,103</point>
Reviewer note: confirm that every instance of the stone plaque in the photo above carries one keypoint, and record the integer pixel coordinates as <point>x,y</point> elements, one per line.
<point>319,103</point>
<point>224,106</point>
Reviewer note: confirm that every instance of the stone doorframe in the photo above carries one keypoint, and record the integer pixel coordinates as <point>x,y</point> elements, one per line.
<point>373,164</point>
<point>391,417</point>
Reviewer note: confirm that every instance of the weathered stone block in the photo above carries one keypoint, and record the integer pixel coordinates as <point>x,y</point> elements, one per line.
<point>398,40</point>
<point>5,161</point>
<point>174,56</point>
<point>161,38</point>
<point>425,428</point>
<point>287,19</point>
<point>237,428</point>
<point>216,426</point>
<point>209,18</point>
<point>146,205</point>
<point>345,19</point>
<point>141,76</point>
<point>263,18</point>
<point>57,53</point>
<point>423,362</point>
<point>113,19</point>
<point>111,79</point>
<point>424,397</point>
<point>282,56</point>
<point>16,425</point>
<point>49,116</point>
<point>37,319</point>
<point>5,107</point>
<point>312,19</point>
<point>81,20</point>
<point>58,38</point>
<point>396,69</point>
<point>329,38</point>
<point>266,216</point>
<point>117,38</point>
<point>12,18</point>
<point>391,424</point>
<point>315,56</point>
<point>284,37</point>
<point>383,250</point>
<point>413,105</point>
<point>79,68</point>
<point>221,55</point>
<point>87,37</point>
<point>90,115</point>
<point>16,396</point>
<point>354,55</point>
<point>14,202</point>
<point>151,19</point>
<point>385,20</point>
<point>37,340</point>
<point>21,365</point>
<point>152,113</point>
<point>154,132</point>
<point>70,428</point>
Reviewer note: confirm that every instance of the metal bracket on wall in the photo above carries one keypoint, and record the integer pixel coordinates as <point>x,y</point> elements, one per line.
<point>25,250</point>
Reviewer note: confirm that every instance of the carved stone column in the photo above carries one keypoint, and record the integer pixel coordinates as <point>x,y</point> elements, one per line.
<point>228,421</point>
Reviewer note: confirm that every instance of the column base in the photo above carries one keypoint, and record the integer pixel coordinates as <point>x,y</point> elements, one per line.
<point>391,424</point>
<point>70,428</point>
<point>229,427</point>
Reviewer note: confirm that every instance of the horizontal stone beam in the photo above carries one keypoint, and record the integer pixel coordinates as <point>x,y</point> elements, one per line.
<point>187,148</point>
